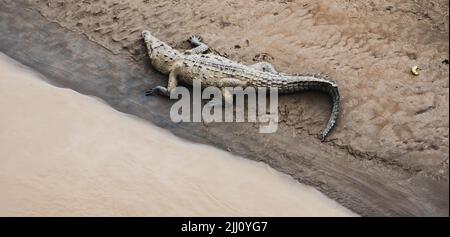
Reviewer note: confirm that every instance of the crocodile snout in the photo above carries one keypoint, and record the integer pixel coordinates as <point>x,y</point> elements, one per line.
<point>146,35</point>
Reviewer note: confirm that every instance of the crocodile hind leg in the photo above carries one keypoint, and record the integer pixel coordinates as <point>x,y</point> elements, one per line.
<point>200,47</point>
<point>165,91</point>
<point>263,66</point>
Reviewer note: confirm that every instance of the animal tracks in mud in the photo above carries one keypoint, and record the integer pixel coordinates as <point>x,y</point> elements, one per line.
<point>366,46</point>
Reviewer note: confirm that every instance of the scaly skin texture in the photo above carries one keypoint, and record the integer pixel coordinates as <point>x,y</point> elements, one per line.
<point>217,71</point>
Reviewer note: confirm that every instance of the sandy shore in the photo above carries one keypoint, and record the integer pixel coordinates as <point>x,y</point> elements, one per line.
<point>66,154</point>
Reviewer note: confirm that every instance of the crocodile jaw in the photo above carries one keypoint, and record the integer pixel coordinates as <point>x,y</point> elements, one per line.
<point>147,36</point>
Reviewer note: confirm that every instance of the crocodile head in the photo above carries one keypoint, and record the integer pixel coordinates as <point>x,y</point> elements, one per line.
<point>162,55</point>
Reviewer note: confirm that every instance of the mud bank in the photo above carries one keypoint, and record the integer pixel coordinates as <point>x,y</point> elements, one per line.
<point>368,47</point>
<point>387,155</point>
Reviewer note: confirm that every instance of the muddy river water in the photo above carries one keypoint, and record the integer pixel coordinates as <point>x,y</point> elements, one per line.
<point>66,154</point>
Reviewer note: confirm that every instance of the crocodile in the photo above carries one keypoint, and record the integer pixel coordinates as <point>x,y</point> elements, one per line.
<point>223,73</point>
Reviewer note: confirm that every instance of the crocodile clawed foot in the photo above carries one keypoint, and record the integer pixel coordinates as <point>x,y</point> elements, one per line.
<point>149,92</point>
<point>159,90</point>
<point>195,39</point>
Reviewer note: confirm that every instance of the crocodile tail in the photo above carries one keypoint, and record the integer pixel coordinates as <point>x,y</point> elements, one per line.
<point>332,90</point>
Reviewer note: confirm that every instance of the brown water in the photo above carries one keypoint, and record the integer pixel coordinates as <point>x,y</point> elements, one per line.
<point>67,154</point>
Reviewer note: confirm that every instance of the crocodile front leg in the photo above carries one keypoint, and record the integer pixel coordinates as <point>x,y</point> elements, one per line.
<point>160,90</point>
<point>200,47</point>
<point>263,66</point>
